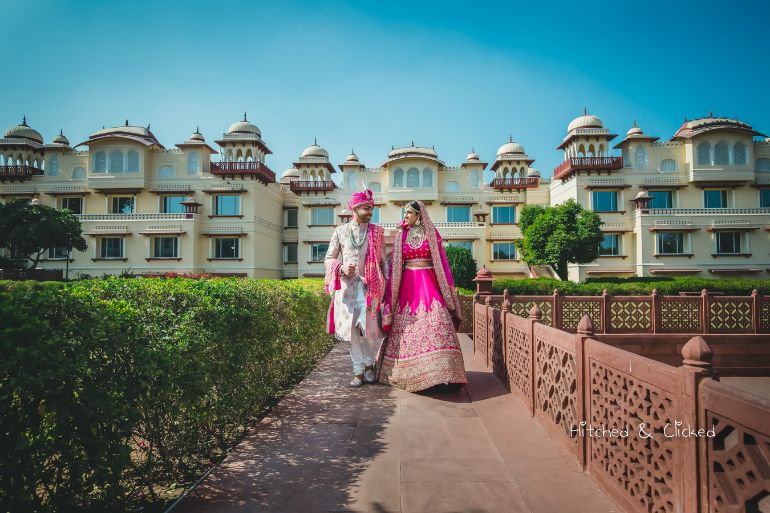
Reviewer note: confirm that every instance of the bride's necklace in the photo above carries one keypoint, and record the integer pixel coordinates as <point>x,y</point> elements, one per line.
<point>415,237</point>
<point>357,243</point>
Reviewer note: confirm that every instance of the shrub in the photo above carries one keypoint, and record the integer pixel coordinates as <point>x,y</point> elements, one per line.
<point>463,266</point>
<point>112,390</point>
<point>631,286</point>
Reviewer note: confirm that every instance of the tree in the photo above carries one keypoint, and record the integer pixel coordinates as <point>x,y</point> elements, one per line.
<point>28,231</point>
<point>462,265</point>
<point>557,236</point>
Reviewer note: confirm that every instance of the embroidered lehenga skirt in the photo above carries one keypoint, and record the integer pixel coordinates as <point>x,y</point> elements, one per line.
<point>422,349</point>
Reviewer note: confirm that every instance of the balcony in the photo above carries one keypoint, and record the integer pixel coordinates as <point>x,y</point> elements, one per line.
<point>510,184</point>
<point>18,173</point>
<point>710,212</point>
<point>300,187</point>
<point>704,176</point>
<point>254,170</point>
<point>576,164</point>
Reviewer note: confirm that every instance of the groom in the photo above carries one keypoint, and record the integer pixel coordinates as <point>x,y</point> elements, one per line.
<point>355,277</point>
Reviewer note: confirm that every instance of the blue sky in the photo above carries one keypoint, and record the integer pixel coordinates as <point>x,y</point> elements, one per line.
<point>369,75</point>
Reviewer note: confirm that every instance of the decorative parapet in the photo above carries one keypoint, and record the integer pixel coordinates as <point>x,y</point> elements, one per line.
<point>705,211</point>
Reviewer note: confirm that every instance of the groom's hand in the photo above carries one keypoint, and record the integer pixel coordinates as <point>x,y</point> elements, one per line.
<point>350,269</point>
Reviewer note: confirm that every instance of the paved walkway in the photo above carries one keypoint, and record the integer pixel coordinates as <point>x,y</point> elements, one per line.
<point>329,448</point>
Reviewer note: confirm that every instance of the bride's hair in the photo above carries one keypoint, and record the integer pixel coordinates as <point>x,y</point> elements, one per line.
<point>414,206</point>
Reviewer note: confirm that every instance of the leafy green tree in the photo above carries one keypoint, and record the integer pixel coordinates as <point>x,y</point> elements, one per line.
<point>559,235</point>
<point>463,266</point>
<point>28,231</point>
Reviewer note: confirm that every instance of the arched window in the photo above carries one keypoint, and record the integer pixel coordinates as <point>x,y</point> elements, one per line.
<point>53,165</point>
<point>704,154</point>
<point>413,177</point>
<point>398,177</point>
<point>427,177</point>
<point>721,154</point>
<point>763,165</point>
<point>352,180</point>
<point>505,172</point>
<point>668,166</point>
<point>739,154</point>
<point>166,172</point>
<point>78,173</point>
<point>601,150</point>
<point>229,156</point>
<point>100,162</point>
<point>591,151</point>
<point>375,187</point>
<point>452,187</point>
<point>475,178</point>
<point>626,157</point>
<point>132,161</point>
<point>116,161</point>
<point>640,157</point>
<point>192,163</point>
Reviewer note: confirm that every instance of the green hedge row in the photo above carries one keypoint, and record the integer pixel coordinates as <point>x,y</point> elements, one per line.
<point>112,391</point>
<point>631,286</point>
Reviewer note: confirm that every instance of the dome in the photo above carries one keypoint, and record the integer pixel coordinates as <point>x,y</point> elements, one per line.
<point>413,150</point>
<point>511,147</point>
<point>315,151</point>
<point>634,130</point>
<point>61,139</point>
<point>24,131</point>
<point>125,129</point>
<point>585,121</point>
<point>292,172</point>
<point>533,173</point>
<point>244,127</point>
<point>352,157</point>
<point>642,195</point>
<point>473,156</point>
<point>197,136</point>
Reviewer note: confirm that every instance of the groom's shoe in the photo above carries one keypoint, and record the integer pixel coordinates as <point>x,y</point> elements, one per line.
<point>357,381</point>
<point>369,376</point>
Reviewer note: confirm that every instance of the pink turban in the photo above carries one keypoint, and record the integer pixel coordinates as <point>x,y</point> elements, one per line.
<point>361,198</point>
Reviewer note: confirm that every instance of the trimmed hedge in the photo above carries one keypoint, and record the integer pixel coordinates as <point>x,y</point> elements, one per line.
<point>112,391</point>
<point>631,286</point>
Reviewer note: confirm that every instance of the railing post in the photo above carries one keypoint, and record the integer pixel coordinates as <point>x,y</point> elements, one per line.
<point>534,318</point>
<point>504,311</point>
<point>695,367</point>
<point>606,311</point>
<point>476,300</point>
<point>556,309</point>
<point>755,310</point>
<point>585,330</point>
<point>655,311</point>
<point>489,327</point>
<point>705,311</point>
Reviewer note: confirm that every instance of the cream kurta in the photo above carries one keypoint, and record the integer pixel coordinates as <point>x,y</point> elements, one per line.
<point>341,248</point>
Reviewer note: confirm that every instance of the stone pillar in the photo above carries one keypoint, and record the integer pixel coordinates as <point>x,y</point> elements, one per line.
<point>696,366</point>
<point>534,318</point>
<point>585,330</point>
<point>484,281</point>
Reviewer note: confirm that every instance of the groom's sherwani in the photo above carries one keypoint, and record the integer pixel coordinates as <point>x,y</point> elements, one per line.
<point>349,301</point>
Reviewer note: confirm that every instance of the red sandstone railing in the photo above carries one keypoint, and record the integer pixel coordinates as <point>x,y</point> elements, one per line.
<point>307,186</point>
<point>574,384</point>
<point>575,164</point>
<point>515,183</point>
<point>19,172</point>
<point>702,314</point>
<point>256,170</point>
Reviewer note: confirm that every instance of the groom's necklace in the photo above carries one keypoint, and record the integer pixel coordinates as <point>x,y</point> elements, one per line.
<point>357,243</point>
<point>416,237</point>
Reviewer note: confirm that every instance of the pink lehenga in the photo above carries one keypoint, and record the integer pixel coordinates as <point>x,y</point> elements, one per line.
<point>422,349</point>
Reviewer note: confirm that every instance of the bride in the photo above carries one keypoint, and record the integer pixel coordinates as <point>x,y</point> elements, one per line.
<point>421,309</point>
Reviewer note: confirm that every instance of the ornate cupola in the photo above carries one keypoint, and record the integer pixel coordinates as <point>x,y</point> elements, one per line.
<point>511,167</point>
<point>21,153</point>
<point>243,153</point>
<point>586,148</point>
<point>315,171</point>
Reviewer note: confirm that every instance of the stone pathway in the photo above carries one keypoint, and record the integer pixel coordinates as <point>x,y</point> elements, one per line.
<point>329,448</point>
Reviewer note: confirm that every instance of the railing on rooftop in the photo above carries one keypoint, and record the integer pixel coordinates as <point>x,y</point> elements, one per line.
<point>300,187</point>
<point>576,164</point>
<point>255,170</point>
<point>509,184</point>
<point>19,173</point>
